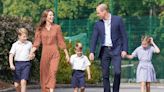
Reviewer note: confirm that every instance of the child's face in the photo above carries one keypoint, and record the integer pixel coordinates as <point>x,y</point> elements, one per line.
<point>78,52</point>
<point>144,44</point>
<point>23,37</point>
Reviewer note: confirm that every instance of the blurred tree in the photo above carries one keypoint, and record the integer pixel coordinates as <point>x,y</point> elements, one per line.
<point>1,7</point>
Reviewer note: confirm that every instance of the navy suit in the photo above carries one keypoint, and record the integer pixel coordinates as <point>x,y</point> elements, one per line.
<point>113,54</point>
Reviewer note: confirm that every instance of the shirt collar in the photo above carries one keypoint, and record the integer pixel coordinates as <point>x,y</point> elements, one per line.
<point>109,18</point>
<point>19,42</point>
<point>80,56</point>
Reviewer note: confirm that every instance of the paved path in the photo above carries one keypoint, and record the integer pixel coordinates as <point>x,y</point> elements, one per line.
<point>125,87</point>
<point>99,90</point>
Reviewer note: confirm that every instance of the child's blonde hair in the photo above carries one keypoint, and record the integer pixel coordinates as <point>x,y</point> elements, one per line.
<point>146,38</point>
<point>79,46</point>
<point>21,31</point>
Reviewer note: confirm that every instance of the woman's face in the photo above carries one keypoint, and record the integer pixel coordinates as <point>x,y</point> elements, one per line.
<point>50,17</point>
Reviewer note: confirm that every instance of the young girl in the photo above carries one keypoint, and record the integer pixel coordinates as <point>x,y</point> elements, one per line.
<point>79,64</point>
<point>145,70</point>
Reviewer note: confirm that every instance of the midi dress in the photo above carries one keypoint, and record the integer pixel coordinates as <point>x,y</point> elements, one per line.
<point>145,68</point>
<point>51,41</point>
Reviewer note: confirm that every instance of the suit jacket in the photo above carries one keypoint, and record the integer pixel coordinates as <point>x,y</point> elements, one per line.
<point>118,36</point>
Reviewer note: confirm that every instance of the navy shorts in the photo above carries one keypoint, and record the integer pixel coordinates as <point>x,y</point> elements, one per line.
<point>22,70</point>
<point>78,79</point>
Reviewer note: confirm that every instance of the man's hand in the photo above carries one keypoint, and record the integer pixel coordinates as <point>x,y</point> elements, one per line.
<point>123,54</point>
<point>91,56</point>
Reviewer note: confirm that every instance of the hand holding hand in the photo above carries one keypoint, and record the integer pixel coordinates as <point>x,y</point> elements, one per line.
<point>123,54</point>
<point>31,56</point>
<point>91,56</point>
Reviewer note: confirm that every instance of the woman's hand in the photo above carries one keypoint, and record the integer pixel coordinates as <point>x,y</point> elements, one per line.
<point>89,77</point>
<point>67,57</point>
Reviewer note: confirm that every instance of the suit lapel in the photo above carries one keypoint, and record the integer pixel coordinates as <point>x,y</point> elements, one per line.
<point>102,27</point>
<point>112,21</point>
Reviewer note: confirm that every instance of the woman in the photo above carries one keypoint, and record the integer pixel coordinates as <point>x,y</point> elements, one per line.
<point>50,36</point>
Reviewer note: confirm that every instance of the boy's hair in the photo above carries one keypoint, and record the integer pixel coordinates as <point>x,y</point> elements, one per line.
<point>21,31</point>
<point>146,38</point>
<point>79,46</point>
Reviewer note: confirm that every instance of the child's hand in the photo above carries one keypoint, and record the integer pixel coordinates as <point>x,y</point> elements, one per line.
<point>31,56</point>
<point>89,77</point>
<point>151,40</point>
<point>12,67</point>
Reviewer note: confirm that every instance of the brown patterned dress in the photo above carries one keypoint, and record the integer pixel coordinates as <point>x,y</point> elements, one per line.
<point>51,40</point>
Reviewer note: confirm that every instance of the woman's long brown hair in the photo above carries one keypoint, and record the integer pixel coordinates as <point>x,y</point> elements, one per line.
<point>43,18</point>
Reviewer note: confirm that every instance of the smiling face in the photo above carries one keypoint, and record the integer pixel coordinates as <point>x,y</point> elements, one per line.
<point>50,17</point>
<point>22,34</point>
<point>144,44</point>
<point>78,49</point>
<point>23,37</point>
<point>145,41</point>
<point>100,13</point>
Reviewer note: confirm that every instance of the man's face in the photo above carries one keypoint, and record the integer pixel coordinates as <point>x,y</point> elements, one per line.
<point>100,13</point>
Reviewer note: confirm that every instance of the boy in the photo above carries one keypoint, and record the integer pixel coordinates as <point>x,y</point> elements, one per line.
<point>79,64</point>
<point>20,54</point>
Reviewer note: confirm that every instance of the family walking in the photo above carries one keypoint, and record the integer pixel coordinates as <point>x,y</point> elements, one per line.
<point>110,32</point>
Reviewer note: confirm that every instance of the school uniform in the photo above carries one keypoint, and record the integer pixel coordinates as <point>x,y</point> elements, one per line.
<point>145,69</point>
<point>22,65</point>
<point>79,65</point>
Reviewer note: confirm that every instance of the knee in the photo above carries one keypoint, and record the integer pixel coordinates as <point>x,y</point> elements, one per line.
<point>105,76</point>
<point>82,88</point>
<point>117,73</point>
<point>142,84</point>
<point>23,82</point>
<point>17,85</point>
<point>147,84</point>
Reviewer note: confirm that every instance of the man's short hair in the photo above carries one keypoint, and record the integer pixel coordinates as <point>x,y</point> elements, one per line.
<point>103,7</point>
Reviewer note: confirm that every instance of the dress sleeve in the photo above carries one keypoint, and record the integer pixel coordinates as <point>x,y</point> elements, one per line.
<point>37,39</point>
<point>60,39</point>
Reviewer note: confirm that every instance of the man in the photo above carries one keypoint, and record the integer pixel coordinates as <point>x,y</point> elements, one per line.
<point>114,45</point>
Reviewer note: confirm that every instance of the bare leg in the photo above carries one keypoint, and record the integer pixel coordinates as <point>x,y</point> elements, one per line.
<point>23,85</point>
<point>147,86</point>
<point>17,86</point>
<point>142,86</point>
<point>51,90</point>
<point>75,90</point>
<point>82,89</point>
